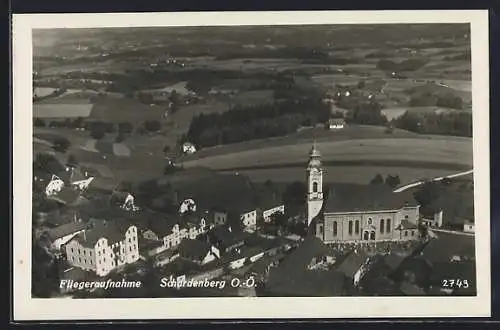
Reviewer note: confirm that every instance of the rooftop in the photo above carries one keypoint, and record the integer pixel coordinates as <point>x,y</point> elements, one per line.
<point>302,255</point>
<point>65,230</point>
<point>351,263</point>
<point>193,249</point>
<point>113,231</point>
<point>353,198</point>
<point>305,283</point>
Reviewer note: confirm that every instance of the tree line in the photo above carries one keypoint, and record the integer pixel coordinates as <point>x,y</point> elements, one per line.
<point>243,123</point>
<point>453,123</point>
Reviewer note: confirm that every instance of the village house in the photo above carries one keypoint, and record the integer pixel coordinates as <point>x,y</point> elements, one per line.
<point>103,247</point>
<point>172,230</point>
<point>336,123</point>
<point>269,205</point>
<point>302,266</point>
<point>436,221</point>
<point>165,257</point>
<point>469,227</point>
<point>358,214</point>
<point>198,252</point>
<point>60,235</point>
<point>225,238</point>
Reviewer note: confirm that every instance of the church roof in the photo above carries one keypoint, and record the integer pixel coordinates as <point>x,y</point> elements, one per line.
<point>359,198</point>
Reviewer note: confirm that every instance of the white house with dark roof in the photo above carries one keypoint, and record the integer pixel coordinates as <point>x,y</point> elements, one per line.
<point>198,252</point>
<point>336,123</point>
<point>60,235</point>
<point>103,247</point>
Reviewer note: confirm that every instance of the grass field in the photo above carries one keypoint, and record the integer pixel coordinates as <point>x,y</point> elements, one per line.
<point>118,110</point>
<point>341,174</point>
<point>395,112</point>
<point>411,149</point>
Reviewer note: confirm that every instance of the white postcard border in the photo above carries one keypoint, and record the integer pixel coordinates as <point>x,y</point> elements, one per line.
<point>27,308</point>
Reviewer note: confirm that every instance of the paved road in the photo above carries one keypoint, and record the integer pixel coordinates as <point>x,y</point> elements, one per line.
<point>454,232</point>
<point>418,183</point>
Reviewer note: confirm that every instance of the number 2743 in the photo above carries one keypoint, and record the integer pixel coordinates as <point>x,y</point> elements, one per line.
<point>455,283</point>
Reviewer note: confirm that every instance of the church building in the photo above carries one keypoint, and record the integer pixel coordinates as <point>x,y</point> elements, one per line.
<point>364,213</point>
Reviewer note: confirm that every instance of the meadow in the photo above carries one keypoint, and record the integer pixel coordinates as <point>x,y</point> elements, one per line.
<point>342,174</point>
<point>449,150</point>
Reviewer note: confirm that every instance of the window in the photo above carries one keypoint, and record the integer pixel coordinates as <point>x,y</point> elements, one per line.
<point>382,226</point>
<point>388,225</point>
<point>412,233</point>
<point>79,259</point>
<point>406,217</point>
<point>315,187</point>
<point>335,229</point>
<point>130,248</point>
<point>356,227</point>
<point>406,232</point>
<point>71,250</point>
<point>321,229</point>
<point>350,227</point>
<point>369,221</point>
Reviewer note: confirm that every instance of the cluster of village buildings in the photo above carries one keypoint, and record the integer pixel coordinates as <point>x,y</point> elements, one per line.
<point>102,240</point>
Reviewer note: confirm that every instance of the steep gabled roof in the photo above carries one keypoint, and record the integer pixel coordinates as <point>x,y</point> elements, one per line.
<point>353,198</point>
<point>193,249</point>
<point>65,230</point>
<point>352,263</point>
<point>301,256</point>
<point>113,231</point>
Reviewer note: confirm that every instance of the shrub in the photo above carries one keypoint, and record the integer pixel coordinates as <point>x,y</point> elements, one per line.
<point>39,122</point>
<point>61,144</point>
<point>152,125</point>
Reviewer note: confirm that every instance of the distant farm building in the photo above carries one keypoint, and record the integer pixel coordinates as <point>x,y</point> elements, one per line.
<point>469,227</point>
<point>336,123</point>
<point>188,148</point>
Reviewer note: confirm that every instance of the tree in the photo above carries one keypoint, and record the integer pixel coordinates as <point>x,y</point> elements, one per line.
<point>47,163</point>
<point>166,149</point>
<point>72,160</point>
<point>61,144</point>
<point>77,123</point>
<point>427,193</point>
<point>120,138</point>
<point>125,127</point>
<point>279,219</point>
<point>39,122</point>
<point>97,133</point>
<point>152,125</point>
<point>392,181</point>
<point>378,179</point>
<point>169,169</point>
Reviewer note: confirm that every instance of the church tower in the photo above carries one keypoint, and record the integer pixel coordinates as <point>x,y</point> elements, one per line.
<point>314,184</point>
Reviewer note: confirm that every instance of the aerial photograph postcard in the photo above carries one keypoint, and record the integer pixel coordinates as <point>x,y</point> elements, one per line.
<point>264,160</point>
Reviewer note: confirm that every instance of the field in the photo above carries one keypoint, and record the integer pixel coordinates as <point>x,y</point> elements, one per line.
<point>342,174</point>
<point>346,160</point>
<point>62,110</point>
<point>395,112</point>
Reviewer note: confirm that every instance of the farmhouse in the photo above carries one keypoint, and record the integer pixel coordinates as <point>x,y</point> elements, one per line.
<point>359,214</point>
<point>469,227</point>
<point>60,235</point>
<point>336,123</point>
<point>103,247</point>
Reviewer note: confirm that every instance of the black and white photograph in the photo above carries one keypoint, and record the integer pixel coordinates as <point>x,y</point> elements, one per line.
<point>343,155</point>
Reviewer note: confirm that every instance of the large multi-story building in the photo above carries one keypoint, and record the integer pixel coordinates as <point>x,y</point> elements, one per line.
<point>103,247</point>
<point>358,213</point>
